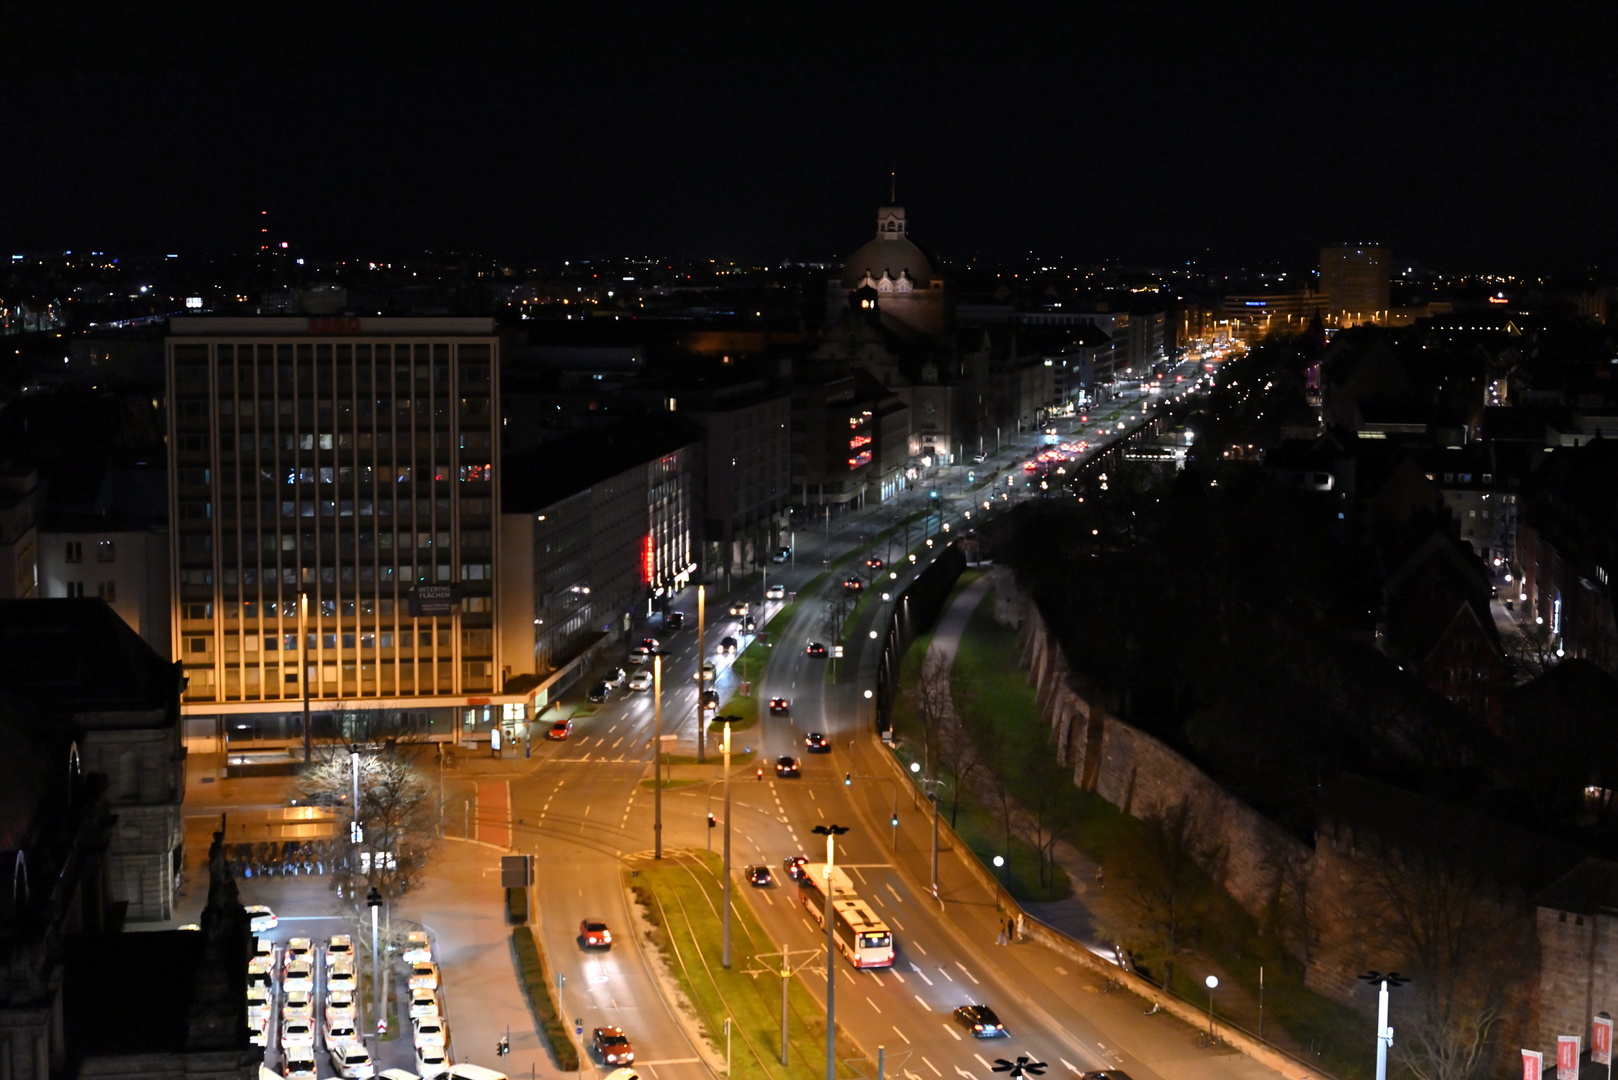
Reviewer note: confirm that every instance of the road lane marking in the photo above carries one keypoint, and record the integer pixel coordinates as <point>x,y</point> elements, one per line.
<point>919,949</point>
<point>946,974</point>
<point>924,1005</point>
<point>986,1065</point>
<point>968,974</point>
<point>872,1003</point>
<point>901,1034</point>
<point>898,976</point>
<point>900,925</point>
<point>1072,1066</point>
<point>951,1029</point>
<point>931,1066</point>
<point>896,895</point>
<point>917,969</point>
<point>849,977</point>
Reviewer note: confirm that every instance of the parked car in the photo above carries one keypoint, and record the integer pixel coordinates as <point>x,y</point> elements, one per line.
<point>260,919</point>
<point>431,1060</point>
<point>299,1063</point>
<point>351,1060</point>
<point>560,730</point>
<point>418,946</point>
<point>429,1029</point>
<point>786,765</point>
<point>600,691</point>
<point>341,978</point>
<point>300,975</point>
<point>264,948</point>
<point>297,1031</point>
<point>339,949</point>
<point>298,950</point>
<point>424,975</point>
<point>816,743</point>
<point>423,1003</point>
<point>612,1046</point>
<point>641,680</point>
<point>780,706</point>
<point>339,1008</point>
<point>595,934</point>
<point>775,592</point>
<point>340,1031</point>
<point>816,650</point>
<point>980,1022</point>
<point>759,876</point>
<point>298,1003</point>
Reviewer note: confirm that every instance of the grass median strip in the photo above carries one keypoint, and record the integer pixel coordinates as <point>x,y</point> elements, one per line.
<point>536,984</point>
<point>681,898</point>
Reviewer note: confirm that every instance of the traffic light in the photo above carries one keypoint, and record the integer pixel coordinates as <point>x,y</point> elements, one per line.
<point>933,494</point>
<point>895,821</point>
<point>711,821</point>
<point>848,779</point>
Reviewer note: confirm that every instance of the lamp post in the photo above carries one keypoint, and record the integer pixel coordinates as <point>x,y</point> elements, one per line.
<point>932,796</point>
<point>303,677</point>
<point>831,833</point>
<point>373,900</point>
<point>702,683</point>
<point>1384,1033</point>
<point>724,956</point>
<point>657,754</point>
<point>1212,983</point>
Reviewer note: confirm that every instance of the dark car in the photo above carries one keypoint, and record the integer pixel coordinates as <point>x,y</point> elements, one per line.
<point>853,584</point>
<point>816,743</point>
<point>786,765</point>
<point>749,624</point>
<point>793,865</point>
<point>710,697</point>
<point>873,563</point>
<point>817,650</point>
<point>980,1021</point>
<point>650,644</point>
<point>727,644</point>
<point>780,706</point>
<point>760,877</point>
<point>599,691</point>
<point>674,620</point>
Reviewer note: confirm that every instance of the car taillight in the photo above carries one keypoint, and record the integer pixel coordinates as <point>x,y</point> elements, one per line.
<point>977,1027</point>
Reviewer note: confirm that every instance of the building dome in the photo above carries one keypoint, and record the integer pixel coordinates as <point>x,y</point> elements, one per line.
<point>891,252</point>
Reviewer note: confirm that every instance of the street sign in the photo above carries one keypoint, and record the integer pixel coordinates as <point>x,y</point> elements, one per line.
<point>516,871</point>
<point>429,601</point>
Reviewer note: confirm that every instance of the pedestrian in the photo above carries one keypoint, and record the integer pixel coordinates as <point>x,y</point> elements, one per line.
<point>1101,881</point>
<point>1001,940</point>
<point>1019,934</point>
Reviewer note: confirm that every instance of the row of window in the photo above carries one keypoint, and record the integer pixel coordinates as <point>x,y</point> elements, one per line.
<point>367,573</point>
<point>330,541</point>
<point>472,641</point>
<point>418,677</point>
<point>409,441</point>
<point>270,609</point>
<point>106,551</point>
<point>106,590</point>
<point>202,509</point>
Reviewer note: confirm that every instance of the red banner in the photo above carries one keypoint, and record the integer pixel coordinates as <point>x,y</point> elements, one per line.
<point>1533,1065</point>
<point>1567,1057</point>
<point>1601,1041</point>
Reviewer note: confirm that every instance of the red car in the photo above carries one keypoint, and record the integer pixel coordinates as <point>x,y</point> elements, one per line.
<point>594,934</point>
<point>560,730</point>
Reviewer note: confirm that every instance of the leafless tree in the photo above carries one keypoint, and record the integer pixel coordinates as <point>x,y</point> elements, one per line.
<point>1433,1048</point>
<point>1531,651</point>
<point>959,755</point>
<point>929,701</point>
<point>1164,885</point>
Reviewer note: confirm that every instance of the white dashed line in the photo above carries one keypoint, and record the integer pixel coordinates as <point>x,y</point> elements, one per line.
<point>967,973</point>
<point>901,1034</point>
<point>931,1066</point>
<point>951,1029</point>
<point>872,1003</point>
<point>917,969</point>
<point>923,1004</point>
<point>946,974</point>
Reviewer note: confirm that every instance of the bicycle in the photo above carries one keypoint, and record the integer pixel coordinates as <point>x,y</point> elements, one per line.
<point>1111,985</point>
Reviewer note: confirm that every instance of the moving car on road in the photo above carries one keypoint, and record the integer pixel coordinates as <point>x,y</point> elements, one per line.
<point>710,697</point>
<point>853,584</point>
<point>595,934</point>
<point>873,563</point>
<point>739,608</point>
<point>816,650</point>
<point>560,730</point>
<point>727,644</point>
<point>759,876</point>
<point>639,655</point>
<point>775,592</point>
<point>641,680</point>
<point>260,919</point>
<point>786,766</point>
<point>780,706</point>
<point>674,620</point>
<point>980,1022</point>
<point>351,1060</point>
<point>817,743</point>
<point>781,555</point>
<point>612,1046</point>
<point>793,865</point>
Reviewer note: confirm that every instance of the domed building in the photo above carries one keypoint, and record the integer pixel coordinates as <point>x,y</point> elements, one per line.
<point>908,290</point>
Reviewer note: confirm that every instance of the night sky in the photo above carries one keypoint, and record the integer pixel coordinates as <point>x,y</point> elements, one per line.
<point>1461,135</point>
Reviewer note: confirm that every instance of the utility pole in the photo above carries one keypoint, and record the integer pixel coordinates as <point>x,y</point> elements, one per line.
<point>303,662</point>
<point>786,975</point>
<point>831,833</point>
<point>657,756</point>
<point>702,682</point>
<point>724,957</point>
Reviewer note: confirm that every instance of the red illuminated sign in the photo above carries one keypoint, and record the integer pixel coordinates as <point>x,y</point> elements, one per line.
<point>859,459</point>
<point>858,441</point>
<point>646,563</point>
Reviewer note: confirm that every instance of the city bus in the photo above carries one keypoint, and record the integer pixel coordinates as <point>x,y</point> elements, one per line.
<point>860,935</point>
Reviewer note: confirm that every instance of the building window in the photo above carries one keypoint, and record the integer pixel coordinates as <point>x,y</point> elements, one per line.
<point>75,588</point>
<point>74,553</point>
<point>108,591</point>
<point>105,551</point>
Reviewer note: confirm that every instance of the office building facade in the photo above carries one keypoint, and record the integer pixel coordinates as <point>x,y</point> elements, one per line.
<point>334,511</point>
<point>1355,281</point>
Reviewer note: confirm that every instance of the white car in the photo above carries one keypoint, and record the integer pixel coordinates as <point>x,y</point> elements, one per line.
<point>340,1031</point>
<point>423,1003</point>
<point>432,1060</point>
<point>258,1003</point>
<point>639,655</point>
<point>298,1003</point>
<point>424,976</point>
<point>623,1074</point>
<point>340,949</point>
<point>776,592</point>
<point>418,947</point>
<point>261,965</point>
<point>297,1031</point>
<point>300,975</point>
<point>264,947</point>
<point>430,1029</point>
<point>340,1007</point>
<point>351,1060</point>
<point>260,919</point>
<point>641,680</point>
<point>299,950</point>
<point>299,1064</point>
<point>260,1030</point>
<point>342,980</point>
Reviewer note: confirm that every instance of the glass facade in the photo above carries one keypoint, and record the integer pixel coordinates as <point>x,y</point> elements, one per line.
<point>325,481</point>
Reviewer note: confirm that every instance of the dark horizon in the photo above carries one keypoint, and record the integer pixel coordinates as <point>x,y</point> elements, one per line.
<point>1147,138</point>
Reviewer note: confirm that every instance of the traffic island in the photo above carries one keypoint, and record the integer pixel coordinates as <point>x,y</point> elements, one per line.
<point>679,900</point>
<point>534,976</point>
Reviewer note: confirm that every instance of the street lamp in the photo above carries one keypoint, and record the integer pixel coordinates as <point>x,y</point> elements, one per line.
<point>1212,983</point>
<point>724,958</point>
<point>831,833</point>
<point>373,900</point>
<point>931,786</point>
<point>1384,1033</point>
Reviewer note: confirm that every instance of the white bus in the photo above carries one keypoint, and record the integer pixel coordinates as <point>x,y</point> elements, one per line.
<point>860,935</point>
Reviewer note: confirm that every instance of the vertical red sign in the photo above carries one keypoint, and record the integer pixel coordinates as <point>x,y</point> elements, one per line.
<point>1533,1065</point>
<point>1567,1057</point>
<point>1601,1041</point>
<point>646,565</point>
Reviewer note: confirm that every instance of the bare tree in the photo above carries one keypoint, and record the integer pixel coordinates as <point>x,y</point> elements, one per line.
<point>959,755</point>
<point>1531,651</point>
<point>1164,885</point>
<point>929,701</point>
<point>1433,1048</point>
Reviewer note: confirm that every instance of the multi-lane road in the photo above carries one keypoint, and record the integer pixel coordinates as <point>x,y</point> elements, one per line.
<point>582,811</point>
